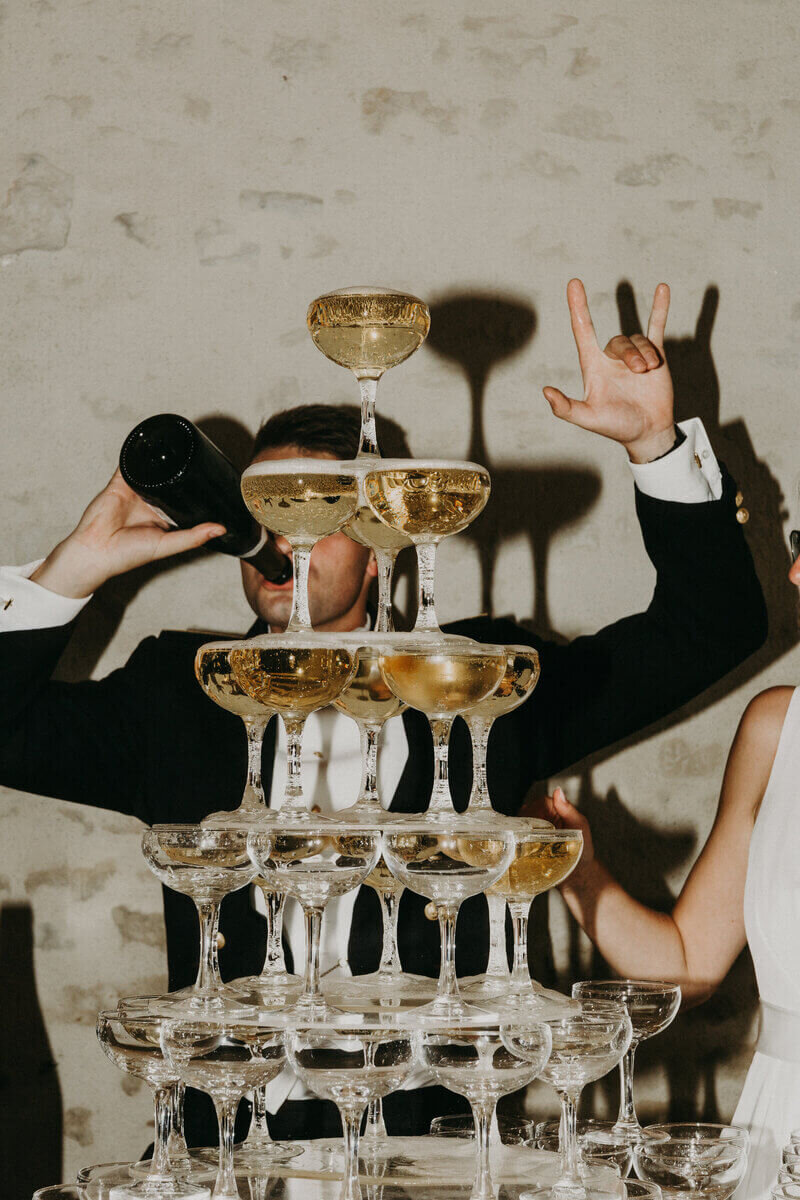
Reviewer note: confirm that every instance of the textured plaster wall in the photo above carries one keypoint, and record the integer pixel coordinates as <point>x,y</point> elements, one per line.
<point>181,179</point>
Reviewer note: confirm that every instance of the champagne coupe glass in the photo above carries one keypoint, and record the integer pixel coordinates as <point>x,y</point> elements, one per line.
<point>205,864</point>
<point>303,500</point>
<point>542,859</point>
<point>426,500</point>
<point>651,1006</point>
<point>295,675</point>
<point>227,1058</point>
<point>520,678</point>
<point>692,1159</point>
<point>598,1142</point>
<point>443,681</point>
<point>369,330</point>
<point>586,1044</point>
<point>512,1131</point>
<point>385,543</point>
<point>315,862</point>
<point>370,702</point>
<point>352,1062</point>
<point>133,1043</point>
<point>212,666</point>
<point>482,1065</point>
<point>448,861</point>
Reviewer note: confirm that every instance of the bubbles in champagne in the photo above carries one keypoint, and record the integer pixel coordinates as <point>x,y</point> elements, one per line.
<point>215,675</point>
<point>368,330</point>
<point>299,501</point>
<point>428,502</point>
<point>368,697</point>
<point>520,678</point>
<point>366,529</point>
<point>293,680</point>
<point>443,683</point>
<point>539,863</point>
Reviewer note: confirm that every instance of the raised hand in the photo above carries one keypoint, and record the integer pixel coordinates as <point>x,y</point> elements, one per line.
<point>627,387</point>
<point>117,532</point>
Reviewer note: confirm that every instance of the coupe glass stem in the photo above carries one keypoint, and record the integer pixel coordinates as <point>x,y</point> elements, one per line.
<point>385,560</point>
<point>369,435</point>
<point>479,729</point>
<point>293,795</point>
<point>274,963</point>
<point>253,798</point>
<point>208,981</point>
<point>300,619</point>
<point>569,1185</point>
<point>627,1121</point>
<point>225,1184</point>
<point>497,966</point>
<point>426,572</point>
<point>312,992</point>
<point>482,1115</point>
<point>258,1134</point>
<point>160,1169</point>
<point>351,1127</point>
<point>447,913</point>
<point>520,974</point>
<point>375,1126</point>
<point>390,958</point>
<point>441,801</point>
<point>370,738</point>
<point>178,1151</point>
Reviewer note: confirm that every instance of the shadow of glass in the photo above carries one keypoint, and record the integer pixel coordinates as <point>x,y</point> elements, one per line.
<point>30,1094</point>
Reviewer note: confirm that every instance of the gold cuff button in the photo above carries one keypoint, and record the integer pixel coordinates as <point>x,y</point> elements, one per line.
<point>739,499</point>
<point>220,941</point>
<point>742,516</point>
<point>430,911</point>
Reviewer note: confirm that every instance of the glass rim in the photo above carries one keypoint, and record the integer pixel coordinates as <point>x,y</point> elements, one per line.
<point>295,465</point>
<point>191,826</point>
<point>646,986</point>
<point>704,1131</point>
<point>424,464</point>
<point>317,824</point>
<point>443,650</point>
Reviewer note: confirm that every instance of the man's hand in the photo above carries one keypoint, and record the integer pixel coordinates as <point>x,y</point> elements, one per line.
<point>117,532</point>
<point>627,388</point>
<point>564,815</point>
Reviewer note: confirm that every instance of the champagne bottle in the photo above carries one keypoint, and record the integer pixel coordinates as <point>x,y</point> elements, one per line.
<point>187,480</point>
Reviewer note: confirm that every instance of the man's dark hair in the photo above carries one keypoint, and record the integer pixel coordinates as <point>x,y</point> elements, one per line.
<point>327,429</point>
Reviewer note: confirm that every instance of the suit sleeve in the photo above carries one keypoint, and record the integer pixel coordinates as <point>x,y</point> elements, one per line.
<point>74,741</point>
<point>706,616</point>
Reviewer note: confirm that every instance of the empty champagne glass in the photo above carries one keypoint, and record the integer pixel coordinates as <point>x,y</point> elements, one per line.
<point>520,678</point>
<point>692,1159</point>
<point>426,500</point>
<point>443,681</point>
<point>651,1006</point>
<point>351,1062</point>
<point>585,1045</point>
<point>295,675</point>
<point>446,862</point>
<point>368,329</point>
<point>511,1131</point>
<point>315,862</point>
<point>227,1058</point>
<point>481,1064</point>
<point>206,864</point>
<point>303,500</point>
<point>598,1142</point>
<point>133,1043</point>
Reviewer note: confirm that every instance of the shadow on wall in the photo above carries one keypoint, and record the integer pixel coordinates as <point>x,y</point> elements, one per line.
<point>30,1095</point>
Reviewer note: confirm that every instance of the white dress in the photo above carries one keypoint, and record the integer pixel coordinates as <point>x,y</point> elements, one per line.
<point>769,1105</point>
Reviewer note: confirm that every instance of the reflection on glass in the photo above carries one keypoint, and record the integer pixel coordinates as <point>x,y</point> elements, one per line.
<point>520,678</point>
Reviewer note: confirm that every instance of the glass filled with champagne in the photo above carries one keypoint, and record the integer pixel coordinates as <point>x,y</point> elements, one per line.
<point>368,329</point>
<point>294,675</point>
<point>385,543</point>
<point>301,499</point>
<point>443,681</point>
<point>426,500</point>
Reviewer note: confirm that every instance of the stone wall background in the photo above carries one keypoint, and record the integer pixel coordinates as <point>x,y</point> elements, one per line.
<point>180,180</point>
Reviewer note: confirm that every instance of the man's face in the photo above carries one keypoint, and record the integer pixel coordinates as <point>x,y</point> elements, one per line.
<point>338,581</point>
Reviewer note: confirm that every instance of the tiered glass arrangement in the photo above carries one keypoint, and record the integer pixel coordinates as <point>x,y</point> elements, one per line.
<point>356,1040</point>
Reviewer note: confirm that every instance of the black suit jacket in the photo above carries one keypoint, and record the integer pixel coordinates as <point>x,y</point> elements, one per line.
<point>146,740</point>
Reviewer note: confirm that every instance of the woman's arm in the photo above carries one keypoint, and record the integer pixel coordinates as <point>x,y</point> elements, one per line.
<point>698,942</point>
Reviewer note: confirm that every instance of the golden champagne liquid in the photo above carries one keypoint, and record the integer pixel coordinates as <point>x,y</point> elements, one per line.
<point>367,530</point>
<point>368,331</point>
<point>427,502</point>
<point>229,853</point>
<point>382,880</point>
<point>368,697</point>
<point>215,676</point>
<point>519,680</point>
<point>301,505</point>
<point>537,866</point>
<point>292,680</point>
<point>442,683</point>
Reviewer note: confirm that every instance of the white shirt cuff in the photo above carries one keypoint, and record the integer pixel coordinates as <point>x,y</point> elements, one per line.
<point>689,474</point>
<point>28,605</point>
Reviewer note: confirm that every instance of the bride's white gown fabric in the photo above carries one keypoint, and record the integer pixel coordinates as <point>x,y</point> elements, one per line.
<point>769,1105</point>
